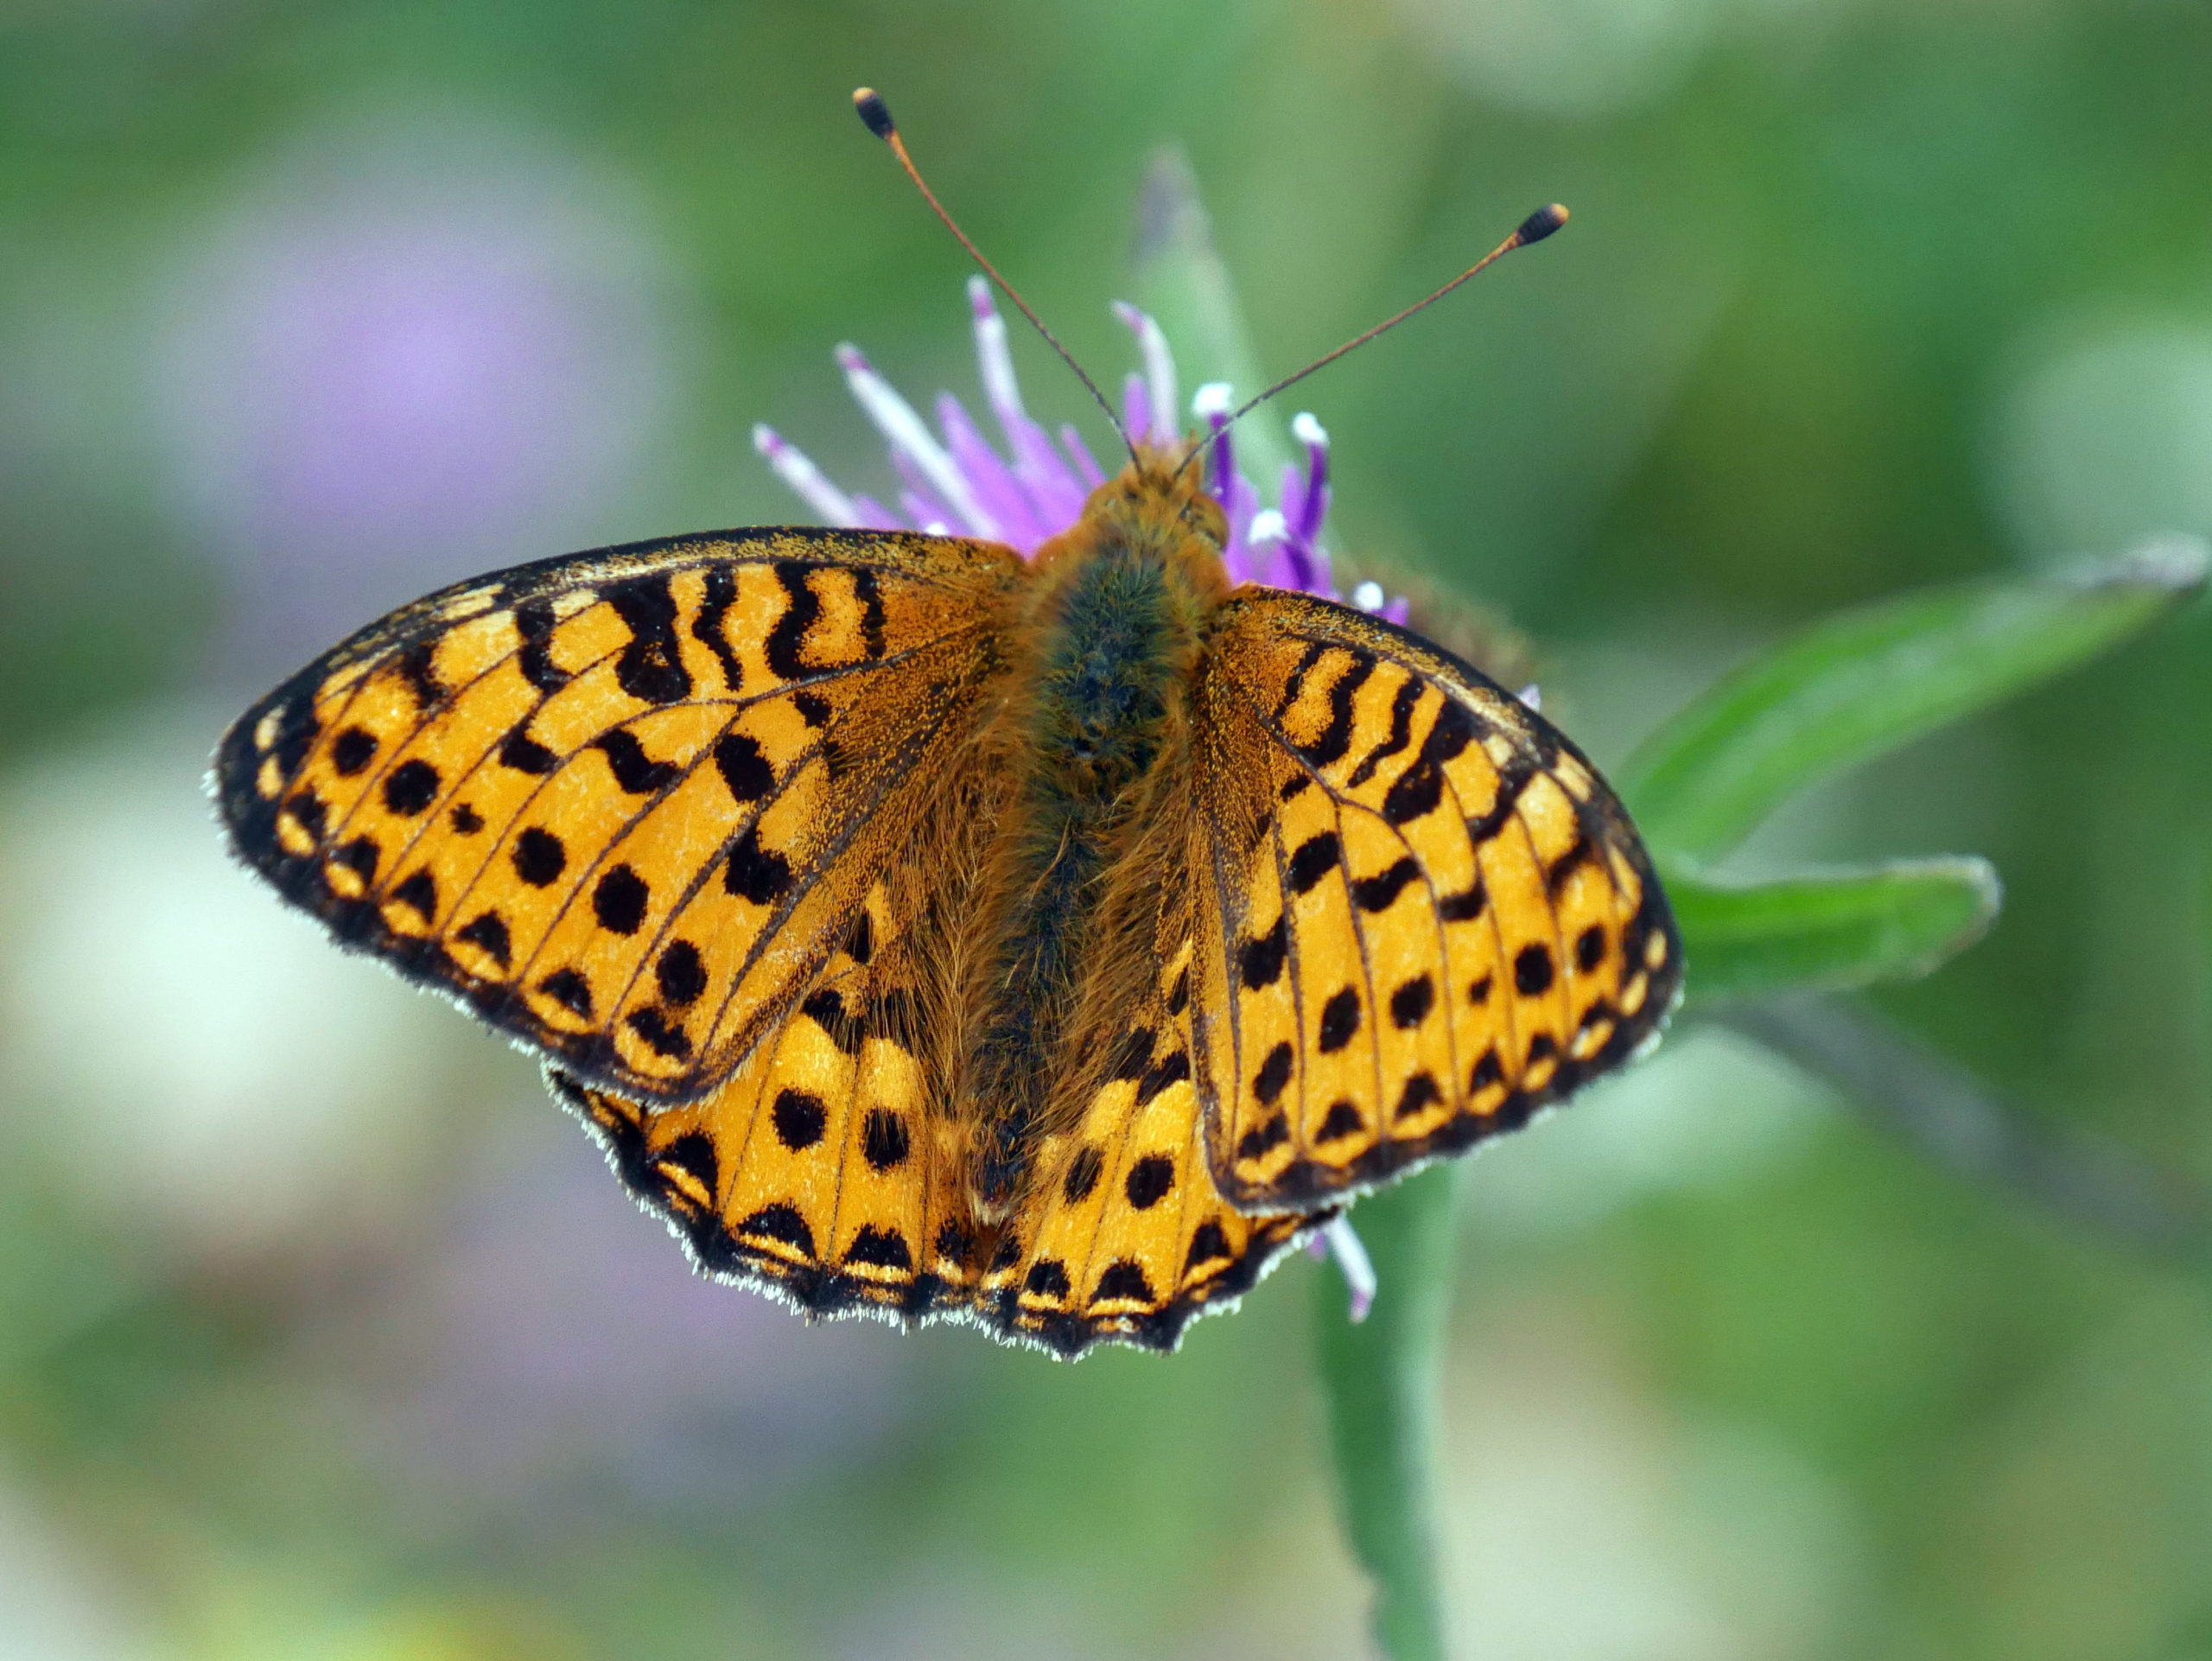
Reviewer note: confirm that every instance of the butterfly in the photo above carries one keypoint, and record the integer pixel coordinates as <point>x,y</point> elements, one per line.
<point>929,933</point>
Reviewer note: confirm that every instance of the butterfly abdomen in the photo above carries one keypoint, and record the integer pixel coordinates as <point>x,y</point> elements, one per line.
<point>1114,629</point>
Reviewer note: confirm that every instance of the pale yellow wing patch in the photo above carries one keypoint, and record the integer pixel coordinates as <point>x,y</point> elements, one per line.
<point>1422,916</point>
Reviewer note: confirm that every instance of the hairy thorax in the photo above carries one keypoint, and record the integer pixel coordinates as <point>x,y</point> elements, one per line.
<point>1094,740</point>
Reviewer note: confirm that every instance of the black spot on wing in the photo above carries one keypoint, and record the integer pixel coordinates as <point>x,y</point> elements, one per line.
<point>1381,891</point>
<point>1274,1072</point>
<point>1084,1171</point>
<point>1342,1120</point>
<point>1131,1056</point>
<point>870,593</point>
<point>798,1116</point>
<point>488,933</point>
<point>359,856</point>
<point>1339,1020</point>
<point>307,808</point>
<point>1296,683</point>
<point>1579,853</point>
<point>1313,859</point>
<point>825,1007</point>
<point>782,1224</point>
<point>1255,1142</point>
<point>743,767</point>
<point>884,1140</point>
<point>1411,1003</point>
<point>692,1154</point>
<point>569,988</point>
<point>417,666</point>
<point>755,873</point>
<point>1415,793</point>
<point>418,891</point>
<point>636,772</point>
<point>1421,1091</point>
<point>1466,905</point>
<point>524,754</point>
<point>953,1242</point>
<point>682,972</point>
<point>1150,1181</point>
<point>618,900</point>
<point>1532,969</point>
<point>1263,957</point>
<point>1123,1282</point>
<point>352,751</point>
<point>664,1037</point>
<point>1512,779</point>
<point>879,1248</point>
<point>539,857</point>
<point>1047,1278</point>
<point>1167,1071</point>
<point>1207,1244</point>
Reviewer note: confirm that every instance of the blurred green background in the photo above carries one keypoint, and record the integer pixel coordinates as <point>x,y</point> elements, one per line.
<point>322,1332</point>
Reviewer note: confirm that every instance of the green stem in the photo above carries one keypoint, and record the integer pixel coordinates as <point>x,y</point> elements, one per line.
<point>1381,1381</point>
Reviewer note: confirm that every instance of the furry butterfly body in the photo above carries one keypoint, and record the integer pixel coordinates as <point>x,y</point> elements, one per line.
<point>931,932</point>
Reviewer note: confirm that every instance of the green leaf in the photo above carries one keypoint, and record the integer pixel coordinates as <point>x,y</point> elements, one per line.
<point>1871,679</point>
<point>1828,929</point>
<point>1380,1379</point>
<point>1182,281</point>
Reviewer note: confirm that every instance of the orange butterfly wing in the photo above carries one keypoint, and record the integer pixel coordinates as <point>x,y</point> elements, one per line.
<point>624,805</point>
<point>1422,915</point>
<point>1125,1236</point>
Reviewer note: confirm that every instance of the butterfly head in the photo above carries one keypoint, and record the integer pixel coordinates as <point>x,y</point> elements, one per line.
<point>1155,499</point>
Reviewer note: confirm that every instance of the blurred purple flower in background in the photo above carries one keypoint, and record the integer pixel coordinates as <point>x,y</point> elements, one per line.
<point>957,484</point>
<point>406,352</point>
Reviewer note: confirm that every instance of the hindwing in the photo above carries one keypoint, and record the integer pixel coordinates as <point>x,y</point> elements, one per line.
<point>825,1170</point>
<point>1123,1235</point>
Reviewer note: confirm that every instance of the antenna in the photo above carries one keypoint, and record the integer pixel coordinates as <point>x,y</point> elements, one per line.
<point>877,115</point>
<point>1538,225</point>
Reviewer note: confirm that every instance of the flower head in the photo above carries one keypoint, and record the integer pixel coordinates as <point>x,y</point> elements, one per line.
<point>955,482</point>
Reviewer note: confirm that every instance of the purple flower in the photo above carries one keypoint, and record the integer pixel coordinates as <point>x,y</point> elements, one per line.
<point>955,482</point>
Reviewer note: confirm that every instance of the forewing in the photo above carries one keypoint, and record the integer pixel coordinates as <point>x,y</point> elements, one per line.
<point>625,804</point>
<point>1421,914</point>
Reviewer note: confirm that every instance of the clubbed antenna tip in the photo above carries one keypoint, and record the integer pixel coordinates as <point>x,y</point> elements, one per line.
<point>877,114</point>
<point>1538,225</point>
